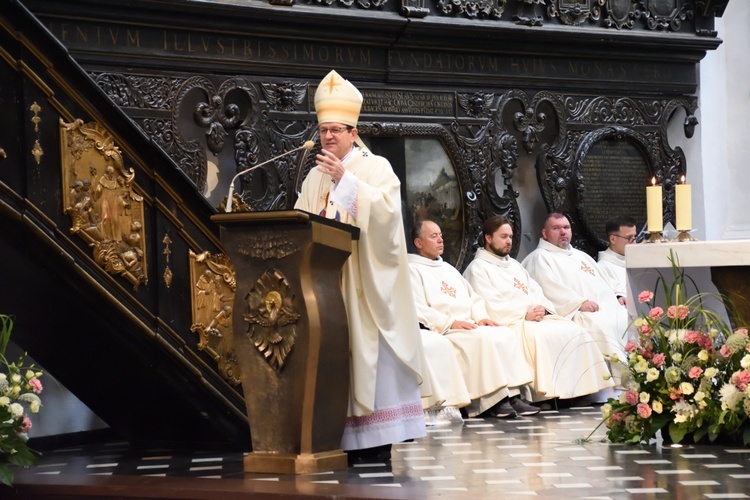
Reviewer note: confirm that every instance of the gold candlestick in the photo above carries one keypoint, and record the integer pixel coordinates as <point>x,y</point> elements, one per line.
<point>684,236</point>
<point>655,237</point>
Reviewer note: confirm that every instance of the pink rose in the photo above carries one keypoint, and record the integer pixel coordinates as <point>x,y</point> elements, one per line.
<point>743,331</point>
<point>692,336</point>
<point>725,351</point>
<point>656,313</point>
<point>682,311</point>
<point>644,411</point>
<point>741,379</point>
<point>675,393</point>
<point>705,342</point>
<point>36,385</point>
<point>26,427</point>
<point>671,312</point>
<point>645,296</point>
<point>631,397</point>
<point>630,347</point>
<point>658,360</point>
<point>695,372</point>
<point>645,330</point>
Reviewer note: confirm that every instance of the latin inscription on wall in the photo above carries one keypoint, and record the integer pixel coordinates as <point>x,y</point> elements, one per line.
<point>113,39</point>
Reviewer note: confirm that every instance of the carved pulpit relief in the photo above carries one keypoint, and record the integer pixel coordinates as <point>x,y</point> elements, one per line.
<point>212,296</point>
<point>100,198</point>
<point>271,317</point>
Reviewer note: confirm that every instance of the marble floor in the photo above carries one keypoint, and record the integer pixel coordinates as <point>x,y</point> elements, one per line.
<point>544,455</point>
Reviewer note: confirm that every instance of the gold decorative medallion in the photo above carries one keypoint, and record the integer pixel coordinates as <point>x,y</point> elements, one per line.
<point>99,196</point>
<point>212,296</point>
<point>272,317</point>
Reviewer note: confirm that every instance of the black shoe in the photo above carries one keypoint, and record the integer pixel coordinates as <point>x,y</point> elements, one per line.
<point>503,409</point>
<point>376,455</point>
<point>522,407</point>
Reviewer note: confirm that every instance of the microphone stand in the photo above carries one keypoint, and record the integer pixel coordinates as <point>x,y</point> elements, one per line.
<point>307,146</point>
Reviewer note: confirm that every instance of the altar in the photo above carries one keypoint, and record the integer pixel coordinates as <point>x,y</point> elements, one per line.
<point>711,267</point>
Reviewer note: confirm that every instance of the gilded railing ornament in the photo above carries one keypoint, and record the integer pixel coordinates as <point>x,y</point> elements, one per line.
<point>167,252</point>
<point>212,296</point>
<point>35,108</point>
<point>2,153</point>
<point>99,196</point>
<point>37,152</point>
<point>272,317</point>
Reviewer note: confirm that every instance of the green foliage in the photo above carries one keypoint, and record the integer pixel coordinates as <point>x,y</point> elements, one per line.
<point>686,373</point>
<point>19,386</point>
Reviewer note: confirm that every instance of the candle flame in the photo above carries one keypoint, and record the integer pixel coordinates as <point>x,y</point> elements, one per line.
<point>682,179</point>
<point>653,181</point>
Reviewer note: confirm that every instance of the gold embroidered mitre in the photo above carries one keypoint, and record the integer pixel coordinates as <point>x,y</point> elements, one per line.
<point>337,100</point>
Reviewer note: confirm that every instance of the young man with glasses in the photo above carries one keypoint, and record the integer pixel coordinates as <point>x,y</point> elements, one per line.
<point>621,232</point>
<point>354,186</point>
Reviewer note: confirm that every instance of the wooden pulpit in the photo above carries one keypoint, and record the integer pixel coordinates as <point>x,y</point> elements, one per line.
<point>291,336</point>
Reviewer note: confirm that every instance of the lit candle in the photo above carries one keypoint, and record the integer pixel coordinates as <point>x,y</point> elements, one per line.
<point>683,202</point>
<point>653,207</point>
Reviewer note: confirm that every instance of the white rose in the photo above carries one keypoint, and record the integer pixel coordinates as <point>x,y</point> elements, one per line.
<point>703,355</point>
<point>652,374</point>
<point>16,378</point>
<point>4,401</point>
<point>745,361</point>
<point>34,406</point>
<point>711,372</point>
<point>16,410</point>
<point>677,357</point>
<point>641,366</point>
<point>656,406</point>
<point>29,374</point>
<point>644,397</point>
<point>687,388</point>
<point>699,396</point>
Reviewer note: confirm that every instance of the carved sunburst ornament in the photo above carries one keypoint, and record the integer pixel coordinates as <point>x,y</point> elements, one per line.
<point>271,317</point>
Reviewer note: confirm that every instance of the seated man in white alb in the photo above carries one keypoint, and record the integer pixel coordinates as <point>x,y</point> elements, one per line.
<point>490,355</point>
<point>567,364</point>
<point>573,282</point>
<point>621,232</point>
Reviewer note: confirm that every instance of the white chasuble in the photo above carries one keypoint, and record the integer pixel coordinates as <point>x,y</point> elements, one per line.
<point>569,277</point>
<point>565,359</point>
<point>491,357</point>
<point>612,265</point>
<point>379,306</point>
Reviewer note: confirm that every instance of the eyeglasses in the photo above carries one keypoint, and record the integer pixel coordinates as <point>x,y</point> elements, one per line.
<point>333,130</point>
<point>631,239</point>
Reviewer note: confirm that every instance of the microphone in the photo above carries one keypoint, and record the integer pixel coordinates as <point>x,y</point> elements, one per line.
<point>307,146</point>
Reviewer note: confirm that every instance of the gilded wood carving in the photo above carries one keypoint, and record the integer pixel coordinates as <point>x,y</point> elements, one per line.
<point>212,295</point>
<point>99,196</point>
<point>271,317</point>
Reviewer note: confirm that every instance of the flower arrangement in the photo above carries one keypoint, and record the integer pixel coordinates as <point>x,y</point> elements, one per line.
<point>687,373</point>
<point>19,389</point>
